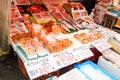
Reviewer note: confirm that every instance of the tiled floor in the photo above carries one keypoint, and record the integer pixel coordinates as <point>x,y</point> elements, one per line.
<point>9,69</point>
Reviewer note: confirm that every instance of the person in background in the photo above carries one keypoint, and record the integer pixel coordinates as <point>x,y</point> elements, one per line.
<point>89,5</point>
<point>4,28</point>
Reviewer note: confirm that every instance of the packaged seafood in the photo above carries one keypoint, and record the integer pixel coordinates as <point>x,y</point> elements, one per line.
<point>39,49</point>
<point>90,36</point>
<point>17,28</point>
<point>21,2</point>
<point>36,1</point>
<point>68,24</point>
<point>58,16</point>
<point>15,15</point>
<point>28,48</point>
<point>14,8</point>
<point>35,9</point>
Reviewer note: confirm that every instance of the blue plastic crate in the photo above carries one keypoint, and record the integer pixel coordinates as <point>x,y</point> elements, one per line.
<point>96,68</point>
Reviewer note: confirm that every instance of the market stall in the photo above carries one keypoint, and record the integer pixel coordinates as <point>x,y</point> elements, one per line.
<point>50,35</point>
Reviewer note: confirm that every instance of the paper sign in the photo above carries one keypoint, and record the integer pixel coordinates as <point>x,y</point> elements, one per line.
<point>101,45</point>
<point>81,52</point>
<point>39,67</point>
<point>64,58</point>
<point>48,64</point>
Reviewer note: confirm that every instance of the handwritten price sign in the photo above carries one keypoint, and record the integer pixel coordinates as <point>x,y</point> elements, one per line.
<point>81,52</point>
<point>64,58</point>
<point>40,67</point>
<point>101,45</point>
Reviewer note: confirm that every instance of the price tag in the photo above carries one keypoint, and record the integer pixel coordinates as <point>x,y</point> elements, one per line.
<point>101,45</point>
<point>64,58</point>
<point>81,53</point>
<point>40,66</point>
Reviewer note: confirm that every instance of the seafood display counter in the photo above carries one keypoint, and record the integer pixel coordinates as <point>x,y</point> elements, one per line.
<point>50,35</point>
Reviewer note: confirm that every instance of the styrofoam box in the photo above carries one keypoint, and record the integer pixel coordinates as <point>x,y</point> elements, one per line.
<point>94,72</point>
<point>109,67</point>
<point>73,74</point>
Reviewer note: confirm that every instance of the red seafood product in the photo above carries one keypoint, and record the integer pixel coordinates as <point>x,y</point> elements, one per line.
<point>80,6</point>
<point>16,15</point>
<point>66,16</point>
<point>37,17</point>
<point>15,38</point>
<point>76,15</point>
<point>15,20</point>
<point>58,16</point>
<point>14,8</point>
<point>83,37</point>
<point>64,1</point>
<point>55,8</point>
<point>46,15</point>
<point>79,37</point>
<point>21,9</point>
<point>89,37</point>
<point>68,24</point>
<point>35,9</point>
<point>28,49</point>
<point>26,18</point>
<point>59,45</point>
<point>38,47</point>
<point>56,29</point>
<point>16,28</point>
<point>87,18</point>
<point>46,2</point>
<point>75,6</point>
<point>48,26</point>
<point>51,8</point>
<point>21,2</point>
<point>60,9</point>
<point>55,46</point>
<point>65,27</point>
<point>41,34</point>
<point>36,28</point>
<point>97,34</point>
<point>66,42</point>
<point>36,1</point>
<point>13,28</point>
